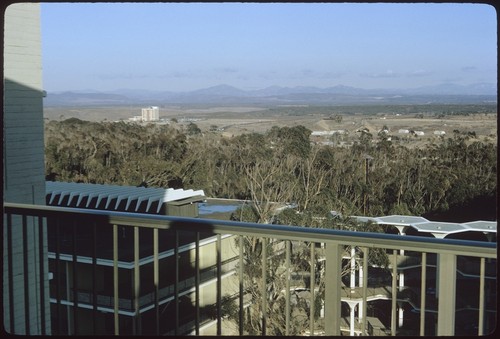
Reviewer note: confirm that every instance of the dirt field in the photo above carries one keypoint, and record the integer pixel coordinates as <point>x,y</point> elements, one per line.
<point>232,121</point>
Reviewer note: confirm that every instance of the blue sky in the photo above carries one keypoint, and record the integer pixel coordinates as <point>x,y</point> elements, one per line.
<point>182,46</point>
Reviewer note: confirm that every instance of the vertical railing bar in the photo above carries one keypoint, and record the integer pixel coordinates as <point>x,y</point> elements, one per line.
<point>115,280</point>
<point>287,292</point>
<point>365,289</point>
<point>219,285</point>
<point>394,292</point>
<point>137,283</point>
<point>26,277</point>
<point>312,286</point>
<point>75,280</point>
<point>240,274</point>
<point>11,274</point>
<point>34,251</point>
<point>94,275</point>
<point>176,282</point>
<point>42,276</point>
<point>423,289</point>
<point>197,283</point>
<point>333,291</point>
<point>156,278</point>
<point>446,293</point>
<point>57,274</point>
<point>482,273</point>
<point>264,286</point>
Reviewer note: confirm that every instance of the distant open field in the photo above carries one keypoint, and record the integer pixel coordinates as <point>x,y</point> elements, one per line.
<point>235,120</point>
<point>115,113</point>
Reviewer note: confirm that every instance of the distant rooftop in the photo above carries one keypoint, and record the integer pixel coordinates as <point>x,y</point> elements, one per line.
<point>435,227</point>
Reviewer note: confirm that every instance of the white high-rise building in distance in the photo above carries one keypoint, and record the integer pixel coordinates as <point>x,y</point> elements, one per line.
<point>152,113</point>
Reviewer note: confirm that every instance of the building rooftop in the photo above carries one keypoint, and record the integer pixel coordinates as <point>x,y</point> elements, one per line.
<point>423,225</point>
<point>113,197</point>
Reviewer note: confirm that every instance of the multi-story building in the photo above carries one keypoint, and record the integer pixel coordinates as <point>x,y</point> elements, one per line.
<point>93,281</point>
<point>151,113</point>
<point>406,270</point>
<point>24,247</point>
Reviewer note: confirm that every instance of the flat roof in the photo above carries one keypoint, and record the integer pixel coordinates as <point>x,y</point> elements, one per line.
<point>114,197</point>
<point>423,225</point>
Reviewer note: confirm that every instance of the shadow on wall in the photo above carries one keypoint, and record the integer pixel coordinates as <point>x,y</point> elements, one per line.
<point>23,182</point>
<point>23,143</point>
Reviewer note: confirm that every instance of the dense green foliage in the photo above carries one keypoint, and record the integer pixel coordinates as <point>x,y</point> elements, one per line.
<point>373,177</point>
<point>280,165</point>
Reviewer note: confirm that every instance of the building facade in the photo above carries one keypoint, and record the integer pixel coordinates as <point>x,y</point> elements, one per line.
<point>151,113</point>
<point>23,171</point>
<point>77,277</point>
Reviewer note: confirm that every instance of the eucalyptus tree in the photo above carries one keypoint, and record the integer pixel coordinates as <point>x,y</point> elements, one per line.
<point>302,274</point>
<point>291,140</point>
<point>311,175</point>
<point>270,181</point>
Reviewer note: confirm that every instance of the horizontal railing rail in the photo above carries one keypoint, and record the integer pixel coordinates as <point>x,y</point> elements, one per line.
<point>334,242</point>
<point>319,235</point>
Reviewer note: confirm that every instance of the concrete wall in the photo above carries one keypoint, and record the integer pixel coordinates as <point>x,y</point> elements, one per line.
<point>23,157</point>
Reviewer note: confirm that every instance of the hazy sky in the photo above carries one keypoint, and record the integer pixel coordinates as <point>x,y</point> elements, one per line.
<point>178,47</point>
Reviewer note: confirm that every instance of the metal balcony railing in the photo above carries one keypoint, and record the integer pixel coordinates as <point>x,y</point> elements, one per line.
<point>326,246</point>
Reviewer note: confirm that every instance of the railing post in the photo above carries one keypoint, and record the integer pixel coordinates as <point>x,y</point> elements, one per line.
<point>94,274</point>
<point>57,274</point>
<point>197,283</point>
<point>312,288</point>
<point>364,289</point>
<point>10,268</point>
<point>43,274</point>
<point>156,279</point>
<point>75,279</point>
<point>446,293</point>
<point>333,295</point>
<point>219,285</point>
<point>287,292</point>
<point>423,293</point>
<point>137,283</point>
<point>241,289</point>
<point>115,280</point>
<point>176,282</point>
<point>26,276</point>
<point>482,271</point>
<point>264,286</point>
<point>394,292</point>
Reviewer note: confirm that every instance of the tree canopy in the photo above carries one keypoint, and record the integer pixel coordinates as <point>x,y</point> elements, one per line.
<point>281,165</point>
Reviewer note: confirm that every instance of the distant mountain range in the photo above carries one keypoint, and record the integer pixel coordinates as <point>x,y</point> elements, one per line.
<point>276,95</point>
